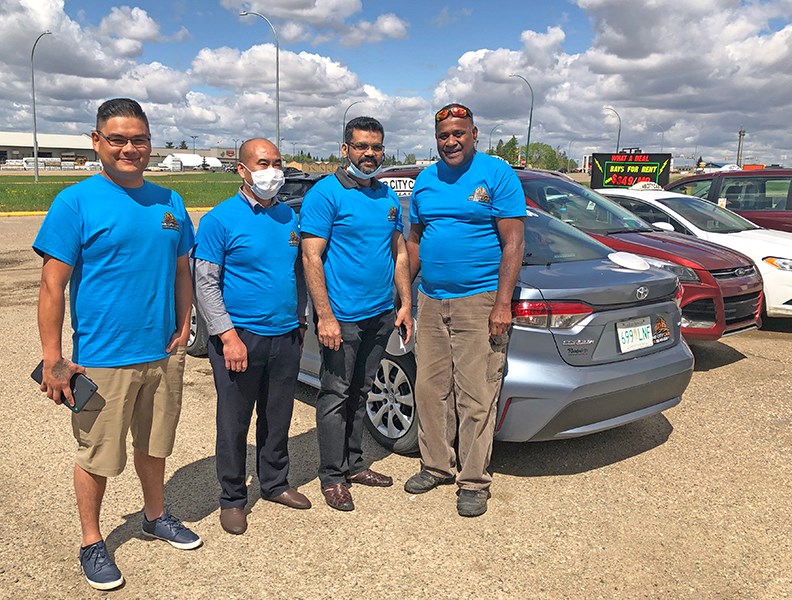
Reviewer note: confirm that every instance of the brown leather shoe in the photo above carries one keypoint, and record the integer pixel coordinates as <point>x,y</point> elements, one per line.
<point>372,478</point>
<point>338,496</point>
<point>233,520</point>
<point>291,498</point>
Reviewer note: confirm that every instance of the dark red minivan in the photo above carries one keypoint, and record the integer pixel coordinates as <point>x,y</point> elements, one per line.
<point>763,196</point>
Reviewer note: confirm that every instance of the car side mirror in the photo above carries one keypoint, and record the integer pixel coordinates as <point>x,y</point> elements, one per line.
<point>664,226</point>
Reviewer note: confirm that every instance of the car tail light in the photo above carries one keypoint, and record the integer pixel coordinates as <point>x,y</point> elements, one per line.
<point>678,296</point>
<point>555,315</point>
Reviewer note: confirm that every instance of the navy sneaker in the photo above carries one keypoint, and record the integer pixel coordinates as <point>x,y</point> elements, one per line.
<point>170,529</point>
<point>99,569</point>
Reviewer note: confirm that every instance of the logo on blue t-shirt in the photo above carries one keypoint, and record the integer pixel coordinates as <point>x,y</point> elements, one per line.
<point>479,195</point>
<point>294,239</point>
<point>170,222</point>
<point>392,213</point>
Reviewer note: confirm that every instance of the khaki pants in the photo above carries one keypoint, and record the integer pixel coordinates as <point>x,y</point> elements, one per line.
<point>460,368</point>
<point>145,398</point>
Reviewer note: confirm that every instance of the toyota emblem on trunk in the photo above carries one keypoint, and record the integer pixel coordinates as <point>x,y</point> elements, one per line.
<point>642,292</point>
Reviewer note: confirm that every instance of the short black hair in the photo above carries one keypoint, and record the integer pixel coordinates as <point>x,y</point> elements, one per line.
<point>120,107</point>
<point>363,124</point>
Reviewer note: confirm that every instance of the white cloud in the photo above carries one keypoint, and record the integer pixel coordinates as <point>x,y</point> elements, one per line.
<point>365,32</point>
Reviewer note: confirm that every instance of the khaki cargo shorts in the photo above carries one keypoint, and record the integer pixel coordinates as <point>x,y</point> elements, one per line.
<point>145,398</point>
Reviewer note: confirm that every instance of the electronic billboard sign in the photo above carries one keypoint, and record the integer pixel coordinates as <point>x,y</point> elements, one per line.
<point>622,170</point>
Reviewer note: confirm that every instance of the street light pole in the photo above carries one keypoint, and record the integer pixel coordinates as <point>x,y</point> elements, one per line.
<point>618,134</point>
<point>33,94</point>
<point>490,138</point>
<point>343,120</point>
<point>530,117</point>
<point>194,137</point>
<point>245,13</point>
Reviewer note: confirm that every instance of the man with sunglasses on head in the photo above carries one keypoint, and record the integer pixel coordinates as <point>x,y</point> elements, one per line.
<point>247,277</point>
<point>466,237</point>
<point>120,243</point>
<point>353,253</point>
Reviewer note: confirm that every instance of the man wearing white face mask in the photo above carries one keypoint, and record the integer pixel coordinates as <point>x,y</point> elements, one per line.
<point>250,289</point>
<point>353,252</point>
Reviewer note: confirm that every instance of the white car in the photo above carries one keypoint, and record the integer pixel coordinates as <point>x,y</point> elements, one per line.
<point>771,250</point>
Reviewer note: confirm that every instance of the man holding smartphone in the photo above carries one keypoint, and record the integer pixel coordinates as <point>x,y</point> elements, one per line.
<point>121,244</point>
<point>353,252</point>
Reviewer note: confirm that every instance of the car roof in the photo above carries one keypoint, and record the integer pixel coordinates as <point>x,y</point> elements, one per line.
<point>743,173</point>
<point>640,194</point>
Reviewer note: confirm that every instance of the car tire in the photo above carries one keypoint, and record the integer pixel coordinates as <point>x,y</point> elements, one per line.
<point>390,412</point>
<point>199,336</point>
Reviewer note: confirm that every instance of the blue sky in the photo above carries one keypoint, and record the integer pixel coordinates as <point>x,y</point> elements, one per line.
<point>200,69</point>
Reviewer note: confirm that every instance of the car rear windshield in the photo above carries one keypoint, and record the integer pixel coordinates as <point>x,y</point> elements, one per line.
<point>549,241</point>
<point>579,206</point>
<point>706,215</point>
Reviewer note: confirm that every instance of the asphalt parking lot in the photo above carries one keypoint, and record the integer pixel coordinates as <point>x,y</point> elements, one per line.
<point>695,503</point>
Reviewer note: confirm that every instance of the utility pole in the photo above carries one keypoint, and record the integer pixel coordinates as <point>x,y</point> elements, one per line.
<point>740,136</point>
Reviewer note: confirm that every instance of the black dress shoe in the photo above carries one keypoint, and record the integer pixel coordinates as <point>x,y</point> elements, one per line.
<point>291,498</point>
<point>338,496</point>
<point>372,478</point>
<point>233,520</point>
<point>423,481</point>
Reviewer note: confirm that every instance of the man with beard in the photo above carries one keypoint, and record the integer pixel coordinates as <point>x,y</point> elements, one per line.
<point>353,253</point>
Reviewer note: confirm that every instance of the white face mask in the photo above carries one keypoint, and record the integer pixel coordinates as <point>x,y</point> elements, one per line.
<point>266,182</point>
<point>353,170</point>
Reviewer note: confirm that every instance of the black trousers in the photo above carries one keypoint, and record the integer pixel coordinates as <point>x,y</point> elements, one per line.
<point>346,375</point>
<point>268,385</point>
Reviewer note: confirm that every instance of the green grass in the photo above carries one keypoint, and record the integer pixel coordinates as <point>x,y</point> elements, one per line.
<point>21,194</point>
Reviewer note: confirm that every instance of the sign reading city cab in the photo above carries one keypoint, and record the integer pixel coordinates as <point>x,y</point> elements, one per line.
<point>622,170</point>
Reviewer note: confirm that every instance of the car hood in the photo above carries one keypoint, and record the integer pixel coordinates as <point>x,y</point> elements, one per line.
<point>757,243</point>
<point>667,245</point>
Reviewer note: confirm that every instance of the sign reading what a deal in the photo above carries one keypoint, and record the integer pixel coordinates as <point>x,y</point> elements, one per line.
<point>622,170</point>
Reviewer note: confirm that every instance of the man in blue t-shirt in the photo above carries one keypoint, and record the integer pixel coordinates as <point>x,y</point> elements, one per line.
<point>121,245</point>
<point>353,253</point>
<point>466,238</point>
<point>247,273</point>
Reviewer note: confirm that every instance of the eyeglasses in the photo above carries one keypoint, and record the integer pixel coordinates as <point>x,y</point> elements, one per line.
<point>460,112</point>
<point>119,141</point>
<point>362,146</point>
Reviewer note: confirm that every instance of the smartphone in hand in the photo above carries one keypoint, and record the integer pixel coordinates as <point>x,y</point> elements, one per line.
<point>82,388</point>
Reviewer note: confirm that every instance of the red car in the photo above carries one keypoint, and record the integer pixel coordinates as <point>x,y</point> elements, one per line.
<point>722,288</point>
<point>762,196</point>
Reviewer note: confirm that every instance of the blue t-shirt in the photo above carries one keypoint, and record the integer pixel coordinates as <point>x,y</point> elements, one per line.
<point>257,250</point>
<point>358,224</point>
<point>122,244</point>
<point>460,248</point>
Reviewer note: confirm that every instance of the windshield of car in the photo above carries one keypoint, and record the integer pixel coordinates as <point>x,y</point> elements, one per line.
<point>579,206</point>
<point>549,241</point>
<point>296,187</point>
<point>706,215</point>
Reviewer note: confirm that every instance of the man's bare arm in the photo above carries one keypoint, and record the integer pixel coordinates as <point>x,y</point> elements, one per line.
<point>512,236</point>
<point>184,296</point>
<point>328,329</point>
<point>413,244</point>
<point>401,279</point>
<point>58,371</point>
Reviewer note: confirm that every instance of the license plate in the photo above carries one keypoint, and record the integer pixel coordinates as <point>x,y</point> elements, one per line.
<point>634,334</point>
